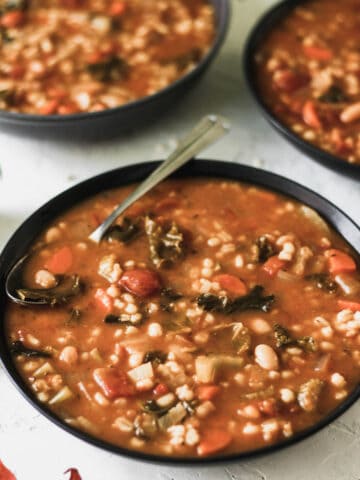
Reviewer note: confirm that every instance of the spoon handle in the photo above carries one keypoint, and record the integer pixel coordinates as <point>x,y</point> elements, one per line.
<point>206,132</point>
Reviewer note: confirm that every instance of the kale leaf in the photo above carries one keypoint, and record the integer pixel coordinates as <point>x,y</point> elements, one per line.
<point>254,300</point>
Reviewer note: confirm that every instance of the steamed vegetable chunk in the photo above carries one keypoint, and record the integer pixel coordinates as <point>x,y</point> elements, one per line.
<point>202,324</point>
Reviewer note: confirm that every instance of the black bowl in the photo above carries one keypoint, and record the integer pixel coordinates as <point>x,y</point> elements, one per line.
<point>266,23</point>
<point>114,121</point>
<point>29,230</point>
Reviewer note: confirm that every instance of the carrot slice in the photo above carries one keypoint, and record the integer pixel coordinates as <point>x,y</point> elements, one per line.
<point>12,19</point>
<point>231,283</point>
<point>117,8</point>
<point>207,392</point>
<point>213,441</point>
<point>317,53</point>
<point>347,305</point>
<point>310,115</point>
<point>339,262</point>
<point>5,473</point>
<point>273,265</point>
<point>61,261</point>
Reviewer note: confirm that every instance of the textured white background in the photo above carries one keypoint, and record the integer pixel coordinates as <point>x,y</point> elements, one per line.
<point>34,170</point>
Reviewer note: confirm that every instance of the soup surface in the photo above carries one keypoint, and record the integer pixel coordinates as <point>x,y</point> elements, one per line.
<point>69,56</point>
<point>216,317</point>
<point>308,72</point>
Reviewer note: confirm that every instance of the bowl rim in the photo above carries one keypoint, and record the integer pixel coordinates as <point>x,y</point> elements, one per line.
<point>267,21</point>
<point>222,18</point>
<point>122,176</point>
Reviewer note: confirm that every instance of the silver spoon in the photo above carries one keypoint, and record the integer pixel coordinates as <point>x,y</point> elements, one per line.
<point>206,132</point>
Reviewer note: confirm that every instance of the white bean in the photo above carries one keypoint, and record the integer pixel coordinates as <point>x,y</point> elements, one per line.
<point>266,357</point>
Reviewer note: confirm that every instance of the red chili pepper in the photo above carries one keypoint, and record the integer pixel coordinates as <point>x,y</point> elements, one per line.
<point>5,474</point>
<point>74,474</point>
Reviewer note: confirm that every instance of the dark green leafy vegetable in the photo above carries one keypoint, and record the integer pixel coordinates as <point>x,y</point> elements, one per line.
<point>114,68</point>
<point>150,406</point>
<point>166,243</point>
<point>168,299</point>
<point>333,95</point>
<point>254,300</point>
<point>67,288</point>
<point>123,319</point>
<point>18,348</point>
<point>265,248</point>
<point>156,356</point>
<point>284,339</point>
<point>324,282</point>
<point>127,231</point>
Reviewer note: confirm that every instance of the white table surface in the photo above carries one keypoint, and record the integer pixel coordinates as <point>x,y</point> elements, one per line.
<point>34,170</point>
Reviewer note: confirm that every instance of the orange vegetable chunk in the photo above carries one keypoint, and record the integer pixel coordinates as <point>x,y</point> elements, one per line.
<point>61,261</point>
<point>340,262</point>
<point>213,441</point>
<point>231,283</point>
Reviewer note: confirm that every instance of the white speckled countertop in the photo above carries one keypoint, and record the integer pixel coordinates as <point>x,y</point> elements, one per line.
<point>35,170</point>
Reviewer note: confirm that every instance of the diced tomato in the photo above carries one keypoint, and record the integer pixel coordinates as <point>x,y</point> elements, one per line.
<point>5,474</point>
<point>231,284</point>
<point>117,8</point>
<point>347,305</point>
<point>340,262</point>
<point>160,389</point>
<point>273,265</point>
<point>61,261</point>
<point>208,392</point>
<point>103,300</point>
<point>74,474</point>
<point>318,53</point>
<point>114,383</point>
<point>310,115</point>
<point>289,81</point>
<point>213,441</point>
<point>141,282</point>
<point>12,19</point>
<point>49,108</point>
